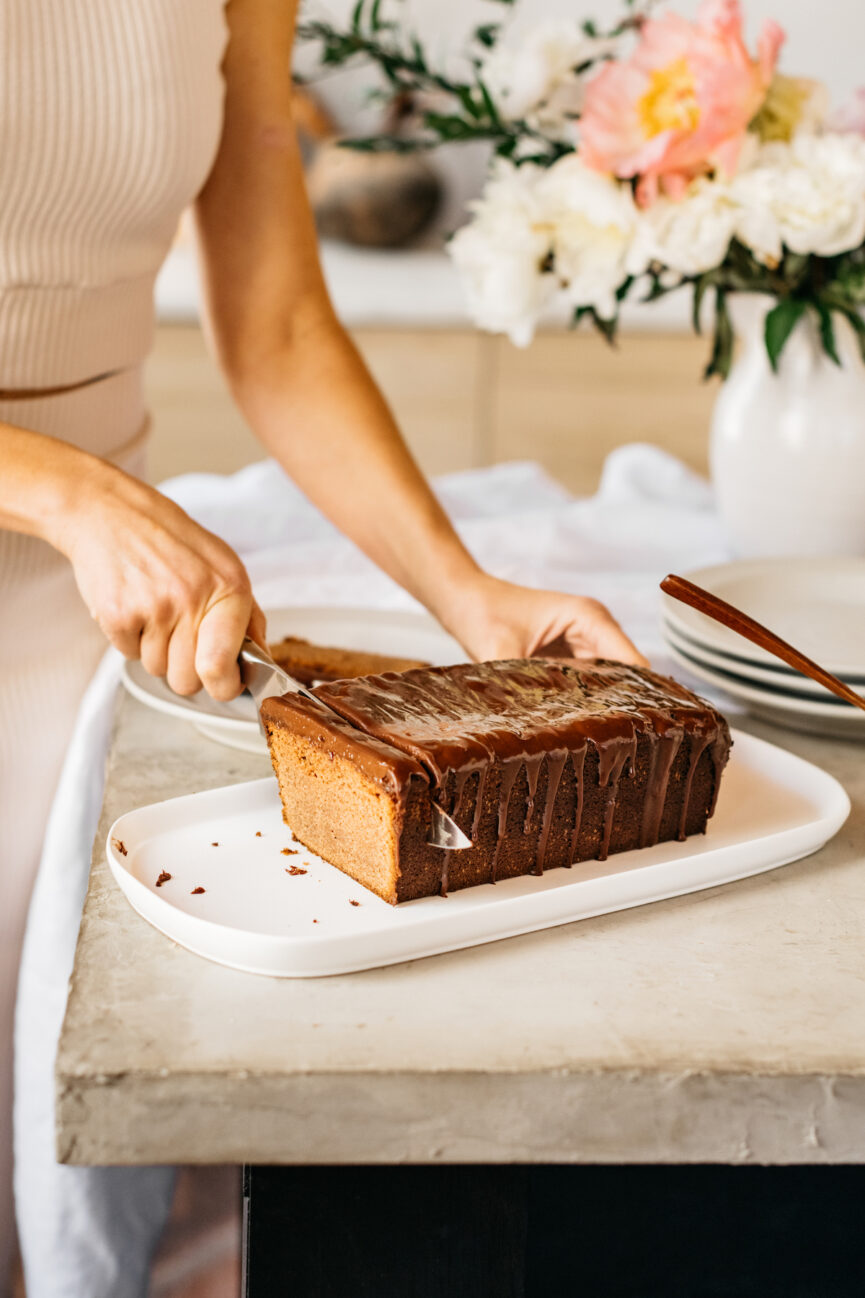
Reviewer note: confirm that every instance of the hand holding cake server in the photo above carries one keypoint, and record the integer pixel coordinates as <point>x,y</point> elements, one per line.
<point>163,588</point>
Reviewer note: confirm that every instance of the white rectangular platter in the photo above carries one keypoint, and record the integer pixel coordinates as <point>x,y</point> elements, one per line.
<point>290,914</point>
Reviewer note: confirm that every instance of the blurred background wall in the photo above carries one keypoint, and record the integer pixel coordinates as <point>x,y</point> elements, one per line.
<point>466,399</point>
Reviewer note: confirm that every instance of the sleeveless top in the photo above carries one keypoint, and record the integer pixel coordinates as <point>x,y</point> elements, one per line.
<point>110,118</point>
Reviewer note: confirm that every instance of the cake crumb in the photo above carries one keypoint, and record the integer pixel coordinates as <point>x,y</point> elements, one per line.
<point>315,921</point>
<point>119,846</point>
<point>352,902</point>
<point>196,891</point>
<point>258,833</point>
<point>294,869</point>
<point>214,845</point>
<point>163,878</point>
<point>290,851</point>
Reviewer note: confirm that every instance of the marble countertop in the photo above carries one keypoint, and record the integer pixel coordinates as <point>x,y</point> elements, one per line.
<point>725,1026</point>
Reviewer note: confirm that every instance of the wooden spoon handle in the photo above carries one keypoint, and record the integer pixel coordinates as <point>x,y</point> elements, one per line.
<point>718,609</point>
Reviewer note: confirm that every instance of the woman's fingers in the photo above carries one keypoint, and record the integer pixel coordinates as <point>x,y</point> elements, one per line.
<point>181,674</point>
<point>220,635</point>
<point>509,621</point>
<point>599,633</point>
<point>154,650</point>
<point>206,657</point>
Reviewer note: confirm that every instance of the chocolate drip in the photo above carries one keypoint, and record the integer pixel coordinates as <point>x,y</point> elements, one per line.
<point>699,744</point>
<point>611,769</point>
<point>461,780</point>
<point>510,771</point>
<point>720,756</point>
<point>578,761</point>
<point>459,789</point>
<point>664,750</point>
<point>555,765</point>
<point>533,773</point>
<point>479,801</point>
<point>512,714</point>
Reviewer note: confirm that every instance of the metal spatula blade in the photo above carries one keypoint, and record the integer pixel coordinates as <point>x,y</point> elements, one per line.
<point>264,679</point>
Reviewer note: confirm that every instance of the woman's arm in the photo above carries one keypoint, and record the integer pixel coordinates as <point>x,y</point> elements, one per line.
<point>160,587</point>
<point>303,387</point>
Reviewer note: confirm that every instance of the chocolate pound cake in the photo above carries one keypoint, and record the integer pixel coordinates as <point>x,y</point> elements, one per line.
<point>542,763</point>
<point>312,662</point>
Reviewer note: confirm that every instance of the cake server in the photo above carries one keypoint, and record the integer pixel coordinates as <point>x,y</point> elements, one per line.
<point>264,679</point>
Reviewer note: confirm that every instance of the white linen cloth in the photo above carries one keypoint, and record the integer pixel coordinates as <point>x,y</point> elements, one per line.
<point>90,1232</point>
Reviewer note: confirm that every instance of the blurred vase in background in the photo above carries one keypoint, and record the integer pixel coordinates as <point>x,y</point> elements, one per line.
<point>788,448</point>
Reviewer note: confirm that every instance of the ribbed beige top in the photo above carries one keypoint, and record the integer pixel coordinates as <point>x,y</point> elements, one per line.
<point>110,116</point>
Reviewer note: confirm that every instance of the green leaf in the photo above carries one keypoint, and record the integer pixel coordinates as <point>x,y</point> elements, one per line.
<point>701,285</point>
<point>624,288</point>
<point>851,280</point>
<point>722,344</point>
<point>356,15</point>
<point>657,289</point>
<point>387,143</point>
<point>487,34</point>
<point>795,267</point>
<point>827,332</point>
<point>780,323</point>
<point>607,328</point>
<point>466,98</point>
<point>376,22</point>
<point>492,111</point>
<point>858,325</point>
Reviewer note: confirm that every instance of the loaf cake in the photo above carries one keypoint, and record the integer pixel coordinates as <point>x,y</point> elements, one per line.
<point>312,662</point>
<point>542,763</point>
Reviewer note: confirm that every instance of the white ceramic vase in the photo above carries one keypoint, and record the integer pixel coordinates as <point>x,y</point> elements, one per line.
<point>788,449</point>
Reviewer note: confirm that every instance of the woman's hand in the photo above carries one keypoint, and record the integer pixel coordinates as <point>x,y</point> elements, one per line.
<point>161,588</point>
<point>497,619</point>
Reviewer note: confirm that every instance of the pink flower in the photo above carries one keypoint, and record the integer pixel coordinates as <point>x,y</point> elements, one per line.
<point>681,104</point>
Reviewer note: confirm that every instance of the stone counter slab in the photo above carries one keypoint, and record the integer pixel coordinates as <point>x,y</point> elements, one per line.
<point>723,1026</point>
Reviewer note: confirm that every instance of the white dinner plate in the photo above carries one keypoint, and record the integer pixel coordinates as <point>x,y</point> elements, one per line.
<point>402,634</point>
<point>256,916</point>
<point>818,605</point>
<point>791,683</point>
<point>834,717</point>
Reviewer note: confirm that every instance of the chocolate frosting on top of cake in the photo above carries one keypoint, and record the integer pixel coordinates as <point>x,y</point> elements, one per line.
<point>451,718</point>
<point>524,711</point>
<point>388,766</point>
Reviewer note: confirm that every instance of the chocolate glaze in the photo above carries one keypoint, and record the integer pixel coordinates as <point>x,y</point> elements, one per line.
<point>388,766</point>
<point>519,714</point>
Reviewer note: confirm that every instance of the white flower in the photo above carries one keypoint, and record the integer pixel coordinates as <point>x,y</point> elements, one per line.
<point>593,220</point>
<point>501,255</point>
<point>808,195</point>
<point>538,233</point>
<point>537,78</point>
<point>689,235</point>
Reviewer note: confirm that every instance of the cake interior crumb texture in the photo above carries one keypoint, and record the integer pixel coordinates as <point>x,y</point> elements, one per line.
<point>543,764</point>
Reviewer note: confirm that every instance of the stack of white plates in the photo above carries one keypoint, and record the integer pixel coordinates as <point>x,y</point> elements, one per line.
<point>818,605</point>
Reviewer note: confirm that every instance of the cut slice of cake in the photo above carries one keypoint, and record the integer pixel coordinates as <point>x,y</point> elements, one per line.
<point>542,763</point>
<point>308,662</point>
